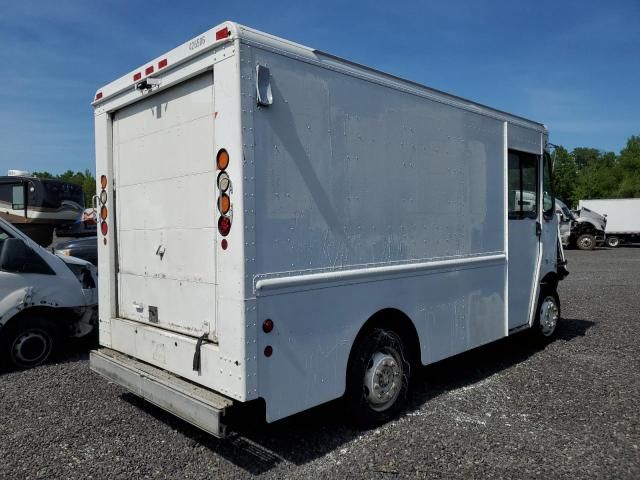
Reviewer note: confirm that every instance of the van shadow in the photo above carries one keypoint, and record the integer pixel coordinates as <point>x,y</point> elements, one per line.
<point>258,447</point>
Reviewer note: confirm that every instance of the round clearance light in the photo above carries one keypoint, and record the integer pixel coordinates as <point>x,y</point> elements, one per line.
<point>103,181</point>
<point>103,213</point>
<point>222,159</point>
<point>104,228</point>
<point>268,351</point>
<point>267,325</point>
<point>224,226</point>
<point>224,182</point>
<point>103,197</point>
<point>224,204</point>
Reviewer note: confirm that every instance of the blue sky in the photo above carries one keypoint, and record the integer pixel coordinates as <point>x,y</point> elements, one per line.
<point>574,65</point>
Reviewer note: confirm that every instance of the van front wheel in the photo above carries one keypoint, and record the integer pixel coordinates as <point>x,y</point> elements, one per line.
<point>377,378</point>
<point>28,341</point>
<point>548,314</point>
<point>586,242</point>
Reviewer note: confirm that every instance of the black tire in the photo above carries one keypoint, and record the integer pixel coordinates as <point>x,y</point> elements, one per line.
<point>586,241</point>
<point>542,323</point>
<point>28,341</point>
<point>613,242</point>
<point>368,409</point>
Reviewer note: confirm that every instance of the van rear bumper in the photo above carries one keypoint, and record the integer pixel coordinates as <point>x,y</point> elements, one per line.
<point>197,405</point>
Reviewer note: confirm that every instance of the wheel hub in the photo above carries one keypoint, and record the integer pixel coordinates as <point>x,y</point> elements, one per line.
<point>585,242</point>
<point>549,315</point>
<point>30,347</point>
<point>383,379</point>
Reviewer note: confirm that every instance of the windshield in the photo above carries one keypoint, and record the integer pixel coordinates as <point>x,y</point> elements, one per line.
<point>567,213</point>
<point>57,192</point>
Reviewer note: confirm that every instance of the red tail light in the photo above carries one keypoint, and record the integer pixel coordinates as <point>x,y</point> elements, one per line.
<point>224,226</point>
<point>104,228</point>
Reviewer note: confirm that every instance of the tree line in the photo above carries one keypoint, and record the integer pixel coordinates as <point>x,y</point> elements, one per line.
<point>587,173</point>
<point>584,173</point>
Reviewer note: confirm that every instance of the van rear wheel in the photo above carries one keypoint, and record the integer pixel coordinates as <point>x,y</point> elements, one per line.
<point>613,242</point>
<point>377,378</point>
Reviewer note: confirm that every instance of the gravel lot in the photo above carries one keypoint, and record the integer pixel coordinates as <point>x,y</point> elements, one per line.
<point>511,409</point>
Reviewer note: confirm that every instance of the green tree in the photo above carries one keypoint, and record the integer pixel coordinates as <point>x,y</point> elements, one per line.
<point>565,174</point>
<point>629,169</point>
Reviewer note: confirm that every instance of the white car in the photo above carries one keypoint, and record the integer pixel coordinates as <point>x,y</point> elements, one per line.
<point>45,299</point>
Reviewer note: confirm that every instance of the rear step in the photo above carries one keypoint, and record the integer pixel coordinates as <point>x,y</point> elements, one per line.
<point>199,406</point>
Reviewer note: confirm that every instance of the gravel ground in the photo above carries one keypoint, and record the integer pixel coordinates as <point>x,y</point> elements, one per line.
<point>511,409</point>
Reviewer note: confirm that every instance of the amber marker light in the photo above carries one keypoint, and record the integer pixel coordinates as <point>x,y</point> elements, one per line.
<point>222,159</point>
<point>224,204</point>
<point>103,181</point>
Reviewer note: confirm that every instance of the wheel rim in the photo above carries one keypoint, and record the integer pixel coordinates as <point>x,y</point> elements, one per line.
<point>614,242</point>
<point>31,347</point>
<point>586,242</point>
<point>549,315</point>
<point>383,379</point>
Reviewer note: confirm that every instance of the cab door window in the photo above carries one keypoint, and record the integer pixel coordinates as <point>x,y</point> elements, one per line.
<point>548,198</point>
<point>523,185</point>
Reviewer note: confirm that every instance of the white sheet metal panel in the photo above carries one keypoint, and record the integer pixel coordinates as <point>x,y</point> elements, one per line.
<point>165,177</point>
<point>524,139</point>
<point>352,175</point>
<point>623,214</point>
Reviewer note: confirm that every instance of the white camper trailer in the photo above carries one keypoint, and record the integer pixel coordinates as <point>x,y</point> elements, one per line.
<point>281,224</point>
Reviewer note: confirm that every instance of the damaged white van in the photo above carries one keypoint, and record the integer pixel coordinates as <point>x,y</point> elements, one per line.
<point>44,299</point>
<point>283,226</point>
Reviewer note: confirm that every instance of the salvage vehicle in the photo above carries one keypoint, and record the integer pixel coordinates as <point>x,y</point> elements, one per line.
<point>283,226</point>
<point>85,248</point>
<point>45,300</point>
<point>37,206</point>
<point>582,228</point>
<point>623,218</point>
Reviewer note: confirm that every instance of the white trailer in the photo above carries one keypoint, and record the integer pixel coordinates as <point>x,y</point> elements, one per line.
<point>279,224</point>
<point>623,218</point>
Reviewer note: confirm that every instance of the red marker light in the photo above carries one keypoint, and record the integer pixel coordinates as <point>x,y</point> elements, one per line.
<point>104,228</point>
<point>267,325</point>
<point>98,95</point>
<point>268,351</point>
<point>224,244</point>
<point>162,63</point>
<point>222,34</point>
<point>148,70</point>
<point>137,77</point>
<point>224,226</point>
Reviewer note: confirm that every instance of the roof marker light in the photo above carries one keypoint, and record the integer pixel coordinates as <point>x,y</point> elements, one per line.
<point>148,70</point>
<point>222,34</point>
<point>162,63</point>
<point>137,77</point>
<point>98,95</point>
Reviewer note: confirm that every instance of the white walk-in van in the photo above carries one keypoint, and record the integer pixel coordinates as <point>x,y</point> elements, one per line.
<point>282,225</point>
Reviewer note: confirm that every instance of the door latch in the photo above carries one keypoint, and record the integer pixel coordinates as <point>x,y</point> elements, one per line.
<point>538,229</point>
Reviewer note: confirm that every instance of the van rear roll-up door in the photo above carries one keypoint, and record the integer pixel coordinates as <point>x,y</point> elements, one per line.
<point>164,168</point>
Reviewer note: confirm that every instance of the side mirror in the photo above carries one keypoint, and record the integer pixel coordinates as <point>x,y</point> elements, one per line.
<point>14,256</point>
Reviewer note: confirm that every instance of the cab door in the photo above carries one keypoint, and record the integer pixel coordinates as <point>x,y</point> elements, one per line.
<point>524,235</point>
